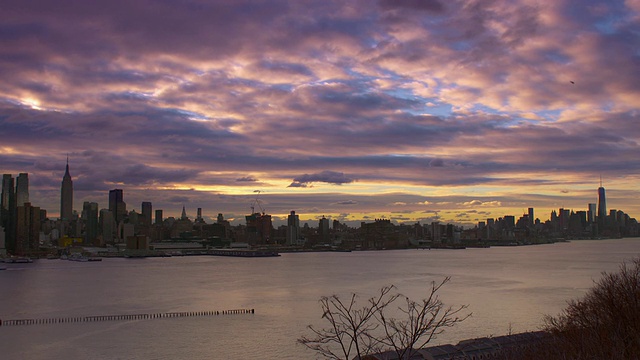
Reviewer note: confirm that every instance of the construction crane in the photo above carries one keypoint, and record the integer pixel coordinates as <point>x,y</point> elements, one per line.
<point>256,202</point>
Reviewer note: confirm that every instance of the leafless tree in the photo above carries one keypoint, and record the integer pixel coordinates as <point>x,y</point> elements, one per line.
<point>357,331</point>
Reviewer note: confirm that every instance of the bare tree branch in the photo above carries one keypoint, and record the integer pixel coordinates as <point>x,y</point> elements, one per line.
<point>355,332</point>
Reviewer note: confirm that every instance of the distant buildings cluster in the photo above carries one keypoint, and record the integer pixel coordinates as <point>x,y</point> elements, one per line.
<point>25,229</point>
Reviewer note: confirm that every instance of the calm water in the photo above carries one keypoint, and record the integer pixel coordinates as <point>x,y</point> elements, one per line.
<point>504,287</point>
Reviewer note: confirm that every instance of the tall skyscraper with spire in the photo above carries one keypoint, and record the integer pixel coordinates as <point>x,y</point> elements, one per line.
<point>602,204</point>
<point>66,195</point>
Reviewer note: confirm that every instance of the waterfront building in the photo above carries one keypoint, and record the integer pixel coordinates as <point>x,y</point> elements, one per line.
<point>22,189</point>
<point>90,218</point>
<point>591,213</point>
<point>7,191</point>
<point>335,225</point>
<point>265,227</point>
<point>125,230</point>
<point>293,228</point>
<point>491,228</point>
<point>259,228</point>
<point>3,249</point>
<point>509,222</point>
<point>621,218</point>
<point>147,210</point>
<point>107,226</point>
<point>523,222</point>
<point>159,219</point>
<point>66,195</point>
<point>582,216</point>
<point>133,218</point>
<point>27,229</point>
<point>137,242</point>
<point>564,215</point>
<point>181,228</point>
<point>612,220</point>
<point>117,206</point>
<point>381,234</point>
<point>8,212</point>
<point>323,230</point>
<point>220,220</point>
<point>199,218</point>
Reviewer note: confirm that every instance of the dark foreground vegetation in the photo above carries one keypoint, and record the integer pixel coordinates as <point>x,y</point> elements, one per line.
<point>604,324</point>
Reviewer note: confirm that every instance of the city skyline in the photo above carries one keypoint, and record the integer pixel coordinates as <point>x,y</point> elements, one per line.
<point>412,110</point>
<point>119,210</point>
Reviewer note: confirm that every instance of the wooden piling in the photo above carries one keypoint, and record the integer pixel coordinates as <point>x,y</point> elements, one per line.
<point>100,318</point>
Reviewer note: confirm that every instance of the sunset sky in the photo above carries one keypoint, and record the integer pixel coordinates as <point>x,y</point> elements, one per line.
<point>412,110</point>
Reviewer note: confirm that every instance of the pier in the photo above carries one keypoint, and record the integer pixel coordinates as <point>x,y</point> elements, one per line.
<point>122,317</point>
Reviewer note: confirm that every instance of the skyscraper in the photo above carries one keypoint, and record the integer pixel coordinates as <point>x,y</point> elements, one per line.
<point>8,212</point>
<point>66,195</point>
<point>90,217</point>
<point>117,205</point>
<point>27,229</point>
<point>107,226</point>
<point>7,193</point>
<point>22,189</point>
<point>3,249</point>
<point>602,205</point>
<point>147,210</point>
<point>293,228</point>
<point>591,213</point>
<point>323,229</point>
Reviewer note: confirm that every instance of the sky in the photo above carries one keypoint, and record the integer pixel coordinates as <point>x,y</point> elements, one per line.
<point>409,110</point>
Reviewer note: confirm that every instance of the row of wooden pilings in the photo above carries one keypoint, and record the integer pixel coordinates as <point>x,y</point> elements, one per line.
<point>62,320</point>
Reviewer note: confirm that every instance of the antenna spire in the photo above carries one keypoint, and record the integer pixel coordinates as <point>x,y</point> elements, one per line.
<point>66,170</point>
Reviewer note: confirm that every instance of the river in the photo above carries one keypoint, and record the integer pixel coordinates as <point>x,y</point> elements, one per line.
<point>506,288</point>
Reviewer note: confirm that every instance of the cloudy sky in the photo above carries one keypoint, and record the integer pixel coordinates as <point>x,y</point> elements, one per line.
<point>412,110</point>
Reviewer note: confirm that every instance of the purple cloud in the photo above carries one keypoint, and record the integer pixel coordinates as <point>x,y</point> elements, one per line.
<point>406,95</point>
<point>426,5</point>
<point>327,176</point>
<point>247,179</point>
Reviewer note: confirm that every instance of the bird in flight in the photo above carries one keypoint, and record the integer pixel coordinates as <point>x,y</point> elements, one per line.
<point>571,82</point>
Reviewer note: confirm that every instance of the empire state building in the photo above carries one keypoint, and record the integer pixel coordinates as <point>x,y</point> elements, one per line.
<point>66,195</point>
